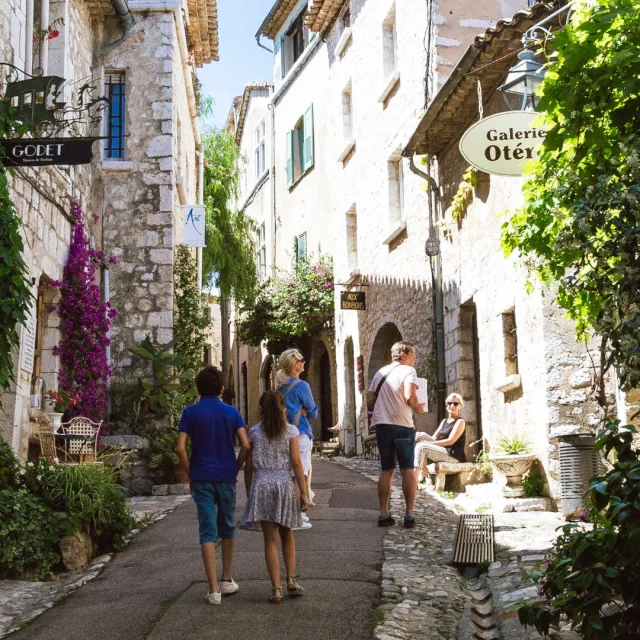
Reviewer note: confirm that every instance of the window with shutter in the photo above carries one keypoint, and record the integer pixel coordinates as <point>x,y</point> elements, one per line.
<point>289,149</point>
<point>307,153</point>
<point>301,247</point>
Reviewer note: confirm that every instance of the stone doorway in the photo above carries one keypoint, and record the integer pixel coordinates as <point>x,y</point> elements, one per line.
<point>326,408</point>
<point>267,374</point>
<point>469,377</point>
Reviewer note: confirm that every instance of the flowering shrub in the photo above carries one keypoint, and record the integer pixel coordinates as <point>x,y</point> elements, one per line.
<point>291,305</point>
<point>62,400</point>
<point>85,321</point>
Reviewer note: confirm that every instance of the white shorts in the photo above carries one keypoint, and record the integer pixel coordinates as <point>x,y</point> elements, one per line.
<point>306,447</point>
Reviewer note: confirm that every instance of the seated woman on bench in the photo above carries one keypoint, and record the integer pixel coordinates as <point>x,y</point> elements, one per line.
<point>446,444</point>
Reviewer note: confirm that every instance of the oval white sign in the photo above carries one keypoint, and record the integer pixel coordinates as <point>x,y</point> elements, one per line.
<point>503,143</point>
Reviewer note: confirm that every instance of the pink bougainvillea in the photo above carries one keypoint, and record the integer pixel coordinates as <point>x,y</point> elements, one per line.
<point>84,320</point>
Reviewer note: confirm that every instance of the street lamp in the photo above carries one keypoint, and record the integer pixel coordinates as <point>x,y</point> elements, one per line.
<point>522,81</point>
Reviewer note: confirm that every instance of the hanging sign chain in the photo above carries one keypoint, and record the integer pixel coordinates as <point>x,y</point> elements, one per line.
<point>480,109</point>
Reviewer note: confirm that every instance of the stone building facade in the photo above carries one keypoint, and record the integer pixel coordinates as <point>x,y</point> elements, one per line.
<point>129,193</point>
<point>351,80</point>
<point>511,354</point>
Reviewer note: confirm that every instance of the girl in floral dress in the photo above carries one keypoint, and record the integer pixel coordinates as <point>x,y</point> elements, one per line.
<point>272,502</point>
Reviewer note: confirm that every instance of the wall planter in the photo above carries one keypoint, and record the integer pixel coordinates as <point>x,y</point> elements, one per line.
<point>513,467</point>
<point>55,419</point>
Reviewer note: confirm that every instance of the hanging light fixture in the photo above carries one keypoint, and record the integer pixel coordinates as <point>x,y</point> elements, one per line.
<point>522,81</point>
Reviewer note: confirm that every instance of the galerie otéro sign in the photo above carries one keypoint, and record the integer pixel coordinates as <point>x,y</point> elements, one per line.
<point>502,144</point>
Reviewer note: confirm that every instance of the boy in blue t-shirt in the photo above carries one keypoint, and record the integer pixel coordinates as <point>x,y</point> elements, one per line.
<point>213,468</point>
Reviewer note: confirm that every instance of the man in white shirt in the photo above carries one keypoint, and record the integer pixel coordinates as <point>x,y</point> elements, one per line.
<point>392,398</point>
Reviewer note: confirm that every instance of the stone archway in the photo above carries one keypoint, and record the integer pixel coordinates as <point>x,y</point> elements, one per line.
<point>320,380</point>
<point>386,337</point>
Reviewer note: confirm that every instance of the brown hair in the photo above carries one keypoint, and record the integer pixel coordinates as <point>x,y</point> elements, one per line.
<point>274,423</point>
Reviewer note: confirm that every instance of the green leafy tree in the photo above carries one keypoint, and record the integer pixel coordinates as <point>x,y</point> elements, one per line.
<point>228,259</point>
<point>580,227</point>
<point>192,314</point>
<point>15,296</point>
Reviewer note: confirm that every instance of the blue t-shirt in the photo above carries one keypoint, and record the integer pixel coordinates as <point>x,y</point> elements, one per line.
<point>211,424</point>
<point>299,397</point>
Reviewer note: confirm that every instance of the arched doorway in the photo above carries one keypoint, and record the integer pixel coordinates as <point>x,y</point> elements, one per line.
<point>318,375</point>
<point>386,337</point>
<point>350,418</point>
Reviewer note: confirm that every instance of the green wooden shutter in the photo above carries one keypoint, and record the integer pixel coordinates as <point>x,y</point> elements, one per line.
<point>289,147</point>
<point>307,152</point>
<point>301,247</point>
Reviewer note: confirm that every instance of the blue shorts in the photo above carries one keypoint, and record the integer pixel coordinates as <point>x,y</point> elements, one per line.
<point>216,503</point>
<point>395,442</point>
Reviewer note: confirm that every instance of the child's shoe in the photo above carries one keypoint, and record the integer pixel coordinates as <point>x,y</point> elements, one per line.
<point>293,588</point>
<point>227,587</point>
<point>213,598</point>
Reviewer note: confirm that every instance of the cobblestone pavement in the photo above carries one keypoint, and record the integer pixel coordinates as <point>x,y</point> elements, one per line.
<point>423,596</point>
<point>21,601</point>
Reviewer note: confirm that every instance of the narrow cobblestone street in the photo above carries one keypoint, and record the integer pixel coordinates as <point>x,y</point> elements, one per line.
<point>362,582</point>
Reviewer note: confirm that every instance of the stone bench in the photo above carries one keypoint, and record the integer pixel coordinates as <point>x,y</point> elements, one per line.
<point>441,470</point>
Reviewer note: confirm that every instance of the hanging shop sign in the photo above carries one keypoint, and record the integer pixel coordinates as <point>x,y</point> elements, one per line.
<point>193,219</point>
<point>353,300</point>
<point>502,144</point>
<point>58,120</point>
<point>38,152</point>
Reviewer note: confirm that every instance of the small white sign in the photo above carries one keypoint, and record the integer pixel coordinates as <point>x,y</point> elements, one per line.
<point>502,144</point>
<point>193,218</point>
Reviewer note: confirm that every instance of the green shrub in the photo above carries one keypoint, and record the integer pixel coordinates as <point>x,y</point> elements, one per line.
<point>29,534</point>
<point>9,467</point>
<point>93,499</point>
<point>514,445</point>
<point>592,575</point>
<point>533,483</point>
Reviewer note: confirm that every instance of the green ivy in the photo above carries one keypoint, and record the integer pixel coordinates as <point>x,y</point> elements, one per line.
<point>463,194</point>
<point>579,230</point>
<point>15,295</point>
<point>192,318</point>
<point>291,305</point>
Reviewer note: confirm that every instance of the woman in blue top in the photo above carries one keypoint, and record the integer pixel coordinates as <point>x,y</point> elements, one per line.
<point>300,405</point>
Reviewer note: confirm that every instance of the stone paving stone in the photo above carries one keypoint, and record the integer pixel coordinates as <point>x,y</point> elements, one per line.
<point>22,601</point>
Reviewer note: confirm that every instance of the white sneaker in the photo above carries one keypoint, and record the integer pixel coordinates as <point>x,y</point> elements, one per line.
<point>305,525</point>
<point>229,587</point>
<point>213,598</point>
<point>305,517</point>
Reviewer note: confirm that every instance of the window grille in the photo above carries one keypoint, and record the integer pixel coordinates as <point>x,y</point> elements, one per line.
<point>116,115</point>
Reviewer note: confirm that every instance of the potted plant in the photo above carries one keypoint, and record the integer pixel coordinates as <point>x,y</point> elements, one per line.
<point>60,400</point>
<point>514,460</point>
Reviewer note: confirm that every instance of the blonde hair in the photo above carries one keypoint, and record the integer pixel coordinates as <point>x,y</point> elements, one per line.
<point>285,363</point>
<point>455,396</point>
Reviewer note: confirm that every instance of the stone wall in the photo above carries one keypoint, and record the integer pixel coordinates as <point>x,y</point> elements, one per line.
<point>42,197</point>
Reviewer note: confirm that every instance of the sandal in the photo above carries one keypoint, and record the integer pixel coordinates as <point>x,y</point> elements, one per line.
<point>293,588</point>
<point>276,596</point>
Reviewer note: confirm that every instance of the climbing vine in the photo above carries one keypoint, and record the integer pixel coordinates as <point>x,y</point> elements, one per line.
<point>291,305</point>
<point>15,295</point>
<point>463,194</point>
<point>580,227</point>
<point>84,320</point>
<point>192,315</point>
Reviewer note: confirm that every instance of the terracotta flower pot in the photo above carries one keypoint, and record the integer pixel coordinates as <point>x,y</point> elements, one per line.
<point>513,467</point>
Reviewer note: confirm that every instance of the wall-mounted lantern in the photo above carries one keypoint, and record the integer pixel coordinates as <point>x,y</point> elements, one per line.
<point>519,89</point>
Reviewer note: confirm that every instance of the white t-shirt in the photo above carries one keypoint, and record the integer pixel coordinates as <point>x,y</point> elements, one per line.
<point>391,406</point>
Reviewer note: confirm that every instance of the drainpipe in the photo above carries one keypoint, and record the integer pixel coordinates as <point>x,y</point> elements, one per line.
<point>261,45</point>
<point>436,276</point>
<point>28,50</point>
<point>200,201</point>
<point>272,178</point>
<point>44,42</point>
<point>122,9</point>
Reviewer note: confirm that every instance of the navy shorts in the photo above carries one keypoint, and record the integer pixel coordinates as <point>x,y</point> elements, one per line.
<point>395,443</point>
<point>216,504</point>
